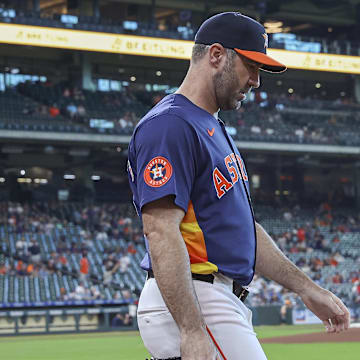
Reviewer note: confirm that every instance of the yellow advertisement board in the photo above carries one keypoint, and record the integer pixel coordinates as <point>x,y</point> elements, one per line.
<point>94,41</point>
<point>317,62</point>
<point>158,47</point>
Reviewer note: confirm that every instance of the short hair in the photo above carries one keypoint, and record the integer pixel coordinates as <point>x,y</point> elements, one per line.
<point>199,51</point>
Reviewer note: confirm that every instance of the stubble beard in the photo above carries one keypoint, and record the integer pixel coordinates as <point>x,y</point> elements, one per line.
<point>226,85</point>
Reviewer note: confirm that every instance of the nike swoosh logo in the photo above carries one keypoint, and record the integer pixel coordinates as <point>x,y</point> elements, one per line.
<point>211,132</point>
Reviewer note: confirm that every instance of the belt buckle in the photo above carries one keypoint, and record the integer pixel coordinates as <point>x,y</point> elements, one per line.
<point>240,291</point>
<point>243,294</point>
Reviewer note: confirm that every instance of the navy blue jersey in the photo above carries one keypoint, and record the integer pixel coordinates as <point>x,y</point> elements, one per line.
<point>182,150</point>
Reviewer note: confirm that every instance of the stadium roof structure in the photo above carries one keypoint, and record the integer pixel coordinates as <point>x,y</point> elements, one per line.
<point>329,12</point>
<point>309,12</point>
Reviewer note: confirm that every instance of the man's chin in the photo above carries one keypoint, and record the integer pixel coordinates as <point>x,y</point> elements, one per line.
<point>236,105</point>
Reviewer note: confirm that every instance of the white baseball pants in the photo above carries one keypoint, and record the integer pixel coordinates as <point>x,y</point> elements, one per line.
<point>228,319</point>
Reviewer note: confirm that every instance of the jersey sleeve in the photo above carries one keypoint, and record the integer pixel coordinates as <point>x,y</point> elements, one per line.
<point>165,149</point>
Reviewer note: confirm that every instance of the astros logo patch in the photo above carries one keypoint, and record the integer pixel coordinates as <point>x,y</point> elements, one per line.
<point>157,172</point>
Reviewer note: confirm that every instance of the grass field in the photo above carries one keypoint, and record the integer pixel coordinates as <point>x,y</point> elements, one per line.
<point>128,346</point>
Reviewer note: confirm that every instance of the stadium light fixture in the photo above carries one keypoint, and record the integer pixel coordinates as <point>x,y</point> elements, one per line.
<point>158,73</point>
<point>318,85</point>
<point>290,90</point>
<point>2,180</point>
<point>41,181</point>
<point>130,25</point>
<point>133,78</point>
<point>69,19</point>
<point>95,177</point>
<point>69,177</point>
<point>22,172</point>
<point>24,180</point>
<point>7,13</point>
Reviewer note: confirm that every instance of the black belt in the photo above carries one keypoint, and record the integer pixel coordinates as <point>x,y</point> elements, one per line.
<point>238,290</point>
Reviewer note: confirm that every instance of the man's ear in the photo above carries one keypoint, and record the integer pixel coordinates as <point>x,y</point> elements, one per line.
<point>217,54</point>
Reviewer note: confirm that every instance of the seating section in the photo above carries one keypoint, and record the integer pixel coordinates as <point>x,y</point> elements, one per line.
<point>18,112</point>
<point>325,244</point>
<point>62,239</point>
<point>80,106</point>
<point>277,119</point>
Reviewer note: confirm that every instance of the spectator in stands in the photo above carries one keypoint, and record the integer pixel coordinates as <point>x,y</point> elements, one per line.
<point>72,110</point>
<point>12,269</point>
<point>124,263</point>
<point>43,271</point>
<point>62,296</point>
<point>333,261</point>
<point>338,257</point>
<point>121,320</point>
<point>125,122</point>
<point>301,235</point>
<point>3,269</point>
<point>34,250</point>
<point>21,269</point>
<point>30,269</point>
<point>66,92</point>
<point>51,266</point>
<point>54,110</point>
<point>356,288</point>
<point>81,293</point>
<point>108,273</point>
<point>62,260</point>
<point>337,278</point>
<point>255,129</point>
<point>62,246</point>
<point>131,249</point>
<point>21,246</point>
<point>81,112</point>
<point>84,267</point>
<point>127,296</point>
<point>94,293</point>
<point>101,236</point>
<point>287,305</point>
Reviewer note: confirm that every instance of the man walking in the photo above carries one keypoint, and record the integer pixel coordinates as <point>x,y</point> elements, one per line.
<point>191,189</point>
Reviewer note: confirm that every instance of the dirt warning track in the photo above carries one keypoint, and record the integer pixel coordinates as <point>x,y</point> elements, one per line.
<point>351,335</point>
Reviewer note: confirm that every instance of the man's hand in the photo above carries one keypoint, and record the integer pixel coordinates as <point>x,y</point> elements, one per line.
<point>328,308</point>
<point>198,346</point>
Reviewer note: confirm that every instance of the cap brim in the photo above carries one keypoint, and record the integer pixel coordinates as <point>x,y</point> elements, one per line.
<point>269,64</point>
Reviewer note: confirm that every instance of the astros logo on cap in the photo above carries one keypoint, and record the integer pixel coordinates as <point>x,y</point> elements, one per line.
<point>265,36</point>
<point>157,172</point>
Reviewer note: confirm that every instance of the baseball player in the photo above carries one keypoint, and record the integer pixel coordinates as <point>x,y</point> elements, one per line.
<point>190,186</point>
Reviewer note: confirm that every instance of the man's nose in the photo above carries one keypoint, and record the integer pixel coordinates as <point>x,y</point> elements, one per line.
<point>254,81</point>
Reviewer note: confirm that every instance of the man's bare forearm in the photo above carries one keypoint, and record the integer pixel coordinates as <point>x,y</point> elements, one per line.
<point>273,264</point>
<point>171,266</point>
